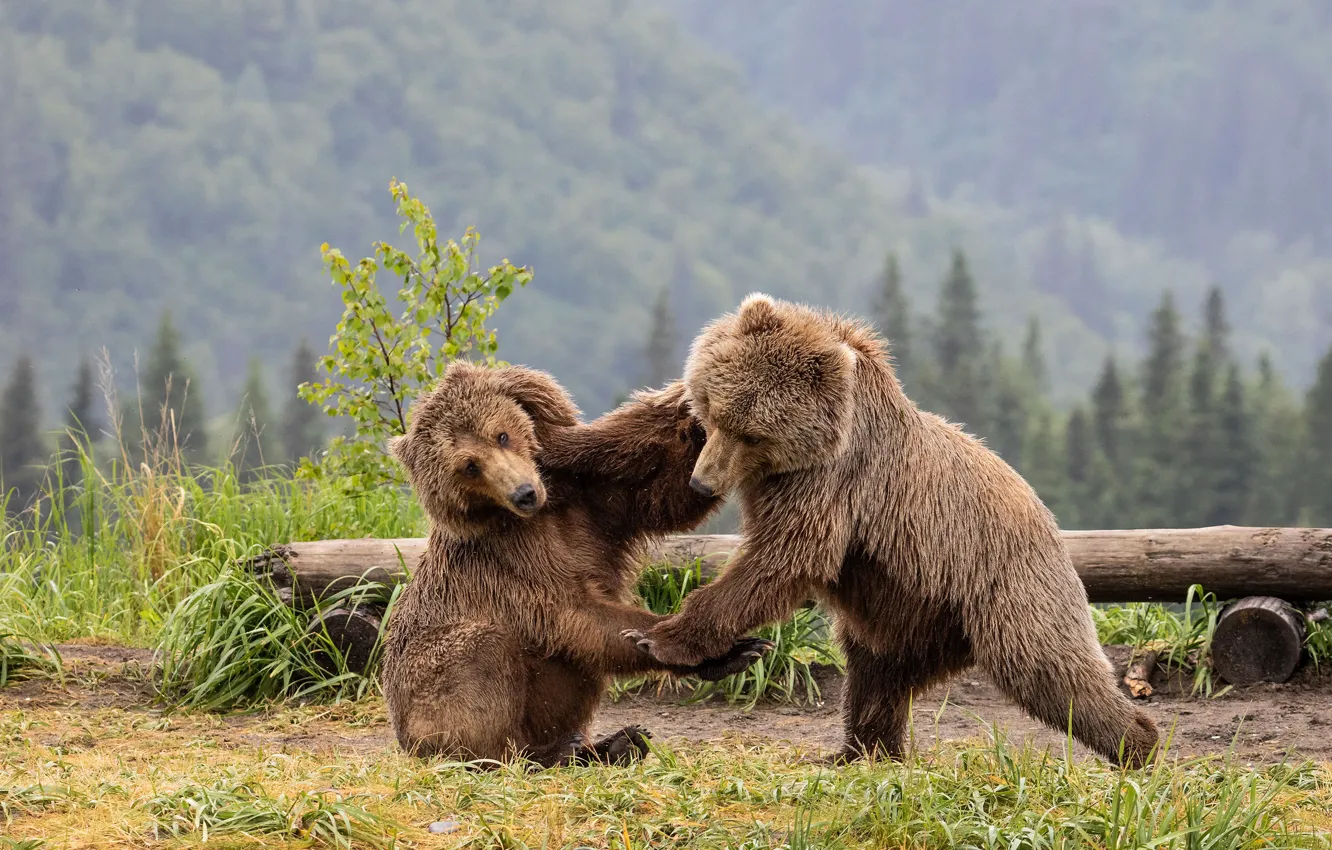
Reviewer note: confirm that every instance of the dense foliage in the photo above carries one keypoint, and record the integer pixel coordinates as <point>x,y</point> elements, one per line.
<point>1198,126</point>
<point>194,155</point>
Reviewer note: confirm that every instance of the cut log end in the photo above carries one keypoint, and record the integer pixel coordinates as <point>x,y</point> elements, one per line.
<point>1257,639</point>
<point>353,631</point>
<point>1138,676</point>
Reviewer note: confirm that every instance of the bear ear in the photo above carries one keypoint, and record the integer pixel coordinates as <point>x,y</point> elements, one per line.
<point>758,314</point>
<point>537,393</point>
<point>835,364</point>
<point>399,448</point>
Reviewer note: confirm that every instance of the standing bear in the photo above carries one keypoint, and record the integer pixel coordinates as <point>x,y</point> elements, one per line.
<point>931,553</point>
<point>504,640</point>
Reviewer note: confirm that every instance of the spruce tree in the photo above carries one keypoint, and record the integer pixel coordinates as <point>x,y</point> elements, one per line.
<point>254,441</point>
<point>81,426</point>
<point>1043,461</point>
<point>21,450</point>
<point>1110,413</point>
<point>1317,508</point>
<point>1078,447</point>
<point>1233,478</point>
<point>1161,486</point>
<point>81,414</point>
<point>1114,458</point>
<point>1033,358</point>
<point>663,340</point>
<point>302,422</point>
<point>1216,328</point>
<point>173,414</point>
<point>1277,428</point>
<point>891,315</point>
<point>958,347</point>
<point>1010,403</point>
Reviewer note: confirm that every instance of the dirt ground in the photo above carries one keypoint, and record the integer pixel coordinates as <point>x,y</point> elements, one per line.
<point>1262,723</point>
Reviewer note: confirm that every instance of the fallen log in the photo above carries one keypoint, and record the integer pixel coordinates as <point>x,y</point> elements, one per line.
<point>1257,639</point>
<point>1153,565</point>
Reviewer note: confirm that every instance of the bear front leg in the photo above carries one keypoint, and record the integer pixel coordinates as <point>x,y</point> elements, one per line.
<point>876,702</point>
<point>622,747</point>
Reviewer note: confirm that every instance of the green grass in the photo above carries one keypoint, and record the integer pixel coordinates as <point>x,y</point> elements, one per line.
<point>323,819</point>
<point>149,555</point>
<point>784,674</point>
<point>21,659</point>
<point>137,785</point>
<point>111,557</point>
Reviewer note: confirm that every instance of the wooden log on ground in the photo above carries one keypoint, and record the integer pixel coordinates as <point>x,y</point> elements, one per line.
<point>1257,639</point>
<point>1154,565</point>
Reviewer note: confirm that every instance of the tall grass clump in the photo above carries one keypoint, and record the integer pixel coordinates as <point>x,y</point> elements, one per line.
<point>234,642</point>
<point>22,659</point>
<point>111,555</point>
<point>801,645</point>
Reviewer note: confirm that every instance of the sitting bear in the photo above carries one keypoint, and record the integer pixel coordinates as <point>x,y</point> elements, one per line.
<point>503,641</point>
<point>930,551</point>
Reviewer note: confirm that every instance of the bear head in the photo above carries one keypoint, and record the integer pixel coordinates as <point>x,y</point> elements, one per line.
<point>773,385</point>
<point>470,451</point>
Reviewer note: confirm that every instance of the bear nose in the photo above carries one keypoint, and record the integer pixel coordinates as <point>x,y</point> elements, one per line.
<point>524,498</point>
<point>699,487</point>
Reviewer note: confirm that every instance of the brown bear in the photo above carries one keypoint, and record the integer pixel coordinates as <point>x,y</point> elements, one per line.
<point>929,550</point>
<point>502,643</point>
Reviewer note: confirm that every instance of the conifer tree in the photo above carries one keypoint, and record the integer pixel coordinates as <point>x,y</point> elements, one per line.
<point>1033,358</point>
<point>1110,413</point>
<point>1205,447</point>
<point>957,347</point>
<point>1277,476</point>
<point>21,450</point>
<point>254,440</point>
<point>1318,431</point>
<point>81,424</point>
<point>663,340</point>
<point>1010,403</point>
<point>1233,479</point>
<point>302,422</point>
<point>1161,490</point>
<point>1043,458</point>
<point>173,414</point>
<point>81,414</point>
<point>892,319</point>
<point>1114,458</point>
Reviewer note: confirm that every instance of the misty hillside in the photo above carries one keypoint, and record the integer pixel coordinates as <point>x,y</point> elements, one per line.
<point>194,154</point>
<point>1204,126</point>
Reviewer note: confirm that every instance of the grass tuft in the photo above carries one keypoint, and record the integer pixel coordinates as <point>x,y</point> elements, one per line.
<point>234,642</point>
<point>801,645</point>
<point>324,819</point>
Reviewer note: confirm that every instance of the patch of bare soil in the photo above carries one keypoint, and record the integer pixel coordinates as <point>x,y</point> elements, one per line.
<point>1259,723</point>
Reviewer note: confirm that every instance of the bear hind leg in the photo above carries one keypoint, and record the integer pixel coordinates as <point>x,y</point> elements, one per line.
<point>1058,673</point>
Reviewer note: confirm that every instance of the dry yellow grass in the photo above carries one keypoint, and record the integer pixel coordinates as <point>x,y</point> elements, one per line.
<point>94,766</point>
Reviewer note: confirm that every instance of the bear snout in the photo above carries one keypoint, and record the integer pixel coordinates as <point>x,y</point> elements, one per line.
<point>524,499</point>
<point>699,487</point>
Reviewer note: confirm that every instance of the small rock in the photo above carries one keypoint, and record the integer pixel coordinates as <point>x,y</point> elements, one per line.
<point>444,827</point>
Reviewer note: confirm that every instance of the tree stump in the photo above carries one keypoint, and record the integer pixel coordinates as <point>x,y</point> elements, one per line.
<point>1257,639</point>
<point>353,631</point>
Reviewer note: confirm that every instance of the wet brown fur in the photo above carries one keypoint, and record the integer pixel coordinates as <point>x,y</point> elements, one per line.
<point>931,552</point>
<point>504,640</point>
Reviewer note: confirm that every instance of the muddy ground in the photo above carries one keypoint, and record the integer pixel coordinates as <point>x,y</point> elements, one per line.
<point>1258,723</point>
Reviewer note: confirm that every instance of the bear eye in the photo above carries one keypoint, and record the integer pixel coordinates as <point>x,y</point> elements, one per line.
<point>503,439</point>
<point>471,470</point>
<point>751,440</point>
